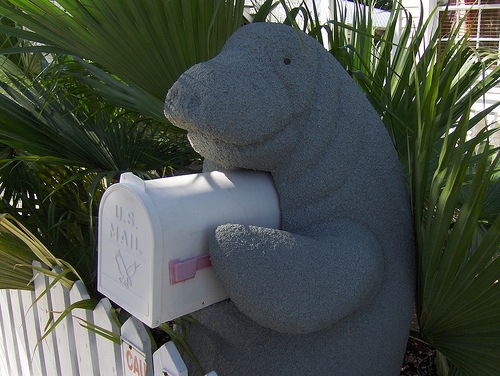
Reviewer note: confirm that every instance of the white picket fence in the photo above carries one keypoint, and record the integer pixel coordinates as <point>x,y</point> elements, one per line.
<point>71,349</point>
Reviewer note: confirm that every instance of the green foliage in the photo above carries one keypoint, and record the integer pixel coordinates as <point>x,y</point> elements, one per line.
<point>178,337</point>
<point>14,254</point>
<point>27,63</point>
<point>17,240</point>
<point>146,44</point>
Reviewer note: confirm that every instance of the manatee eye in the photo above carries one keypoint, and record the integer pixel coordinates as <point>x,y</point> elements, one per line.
<point>287,61</point>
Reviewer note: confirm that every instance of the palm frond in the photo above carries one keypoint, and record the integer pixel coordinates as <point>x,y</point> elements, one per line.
<point>14,254</point>
<point>147,44</point>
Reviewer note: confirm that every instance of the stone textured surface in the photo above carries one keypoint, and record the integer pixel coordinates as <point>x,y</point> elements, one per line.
<point>331,293</point>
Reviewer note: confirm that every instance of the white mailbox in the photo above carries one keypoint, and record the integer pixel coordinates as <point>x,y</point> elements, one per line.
<point>153,238</point>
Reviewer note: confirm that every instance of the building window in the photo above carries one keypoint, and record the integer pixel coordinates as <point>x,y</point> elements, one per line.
<point>481,21</point>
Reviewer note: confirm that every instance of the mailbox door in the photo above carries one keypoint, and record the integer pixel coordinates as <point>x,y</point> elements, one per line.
<point>129,232</point>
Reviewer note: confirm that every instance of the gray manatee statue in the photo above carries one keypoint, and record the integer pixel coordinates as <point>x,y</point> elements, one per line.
<point>331,292</point>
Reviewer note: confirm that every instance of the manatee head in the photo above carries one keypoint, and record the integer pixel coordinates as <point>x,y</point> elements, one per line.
<point>248,107</point>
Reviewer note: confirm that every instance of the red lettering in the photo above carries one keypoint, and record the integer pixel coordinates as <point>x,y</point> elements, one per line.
<point>129,360</point>
<point>136,366</point>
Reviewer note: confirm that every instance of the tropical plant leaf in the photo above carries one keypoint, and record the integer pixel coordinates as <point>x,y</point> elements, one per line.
<point>19,245</point>
<point>179,339</point>
<point>264,10</point>
<point>87,304</point>
<point>98,329</point>
<point>98,81</point>
<point>14,253</point>
<point>148,44</point>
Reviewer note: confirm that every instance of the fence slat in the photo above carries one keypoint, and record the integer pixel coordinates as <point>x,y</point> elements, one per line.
<point>9,336</point>
<point>4,362</point>
<point>64,334</point>
<point>44,309</point>
<point>20,331</point>
<point>86,347</point>
<point>167,360</point>
<point>110,360</point>
<point>70,349</point>
<point>34,334</point>
<point>134,333</point>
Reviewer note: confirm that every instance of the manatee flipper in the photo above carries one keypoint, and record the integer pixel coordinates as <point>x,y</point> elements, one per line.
<point>283,281</point>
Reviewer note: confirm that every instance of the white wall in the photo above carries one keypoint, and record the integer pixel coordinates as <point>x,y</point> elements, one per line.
<point>279,14</point>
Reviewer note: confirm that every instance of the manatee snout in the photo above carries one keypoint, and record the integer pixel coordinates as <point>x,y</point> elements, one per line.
<point>231,100</point>
<point>183,103</point>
